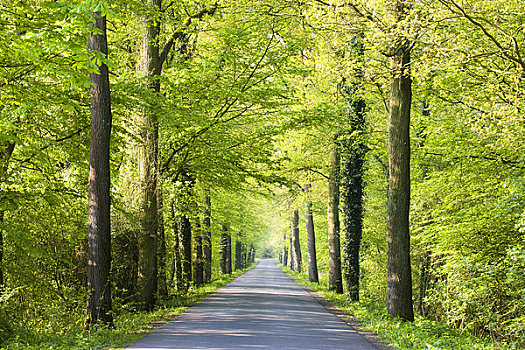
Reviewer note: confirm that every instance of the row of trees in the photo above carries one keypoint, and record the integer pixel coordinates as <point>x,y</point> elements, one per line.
<point>403,116</point>
<point>422,143</point>
<point>183,112</point>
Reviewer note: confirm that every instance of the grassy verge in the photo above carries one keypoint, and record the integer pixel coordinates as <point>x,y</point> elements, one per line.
<point>129,326</point>
<point>417,335</point>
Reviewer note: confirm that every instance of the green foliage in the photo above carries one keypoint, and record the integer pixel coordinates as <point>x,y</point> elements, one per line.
<point>251,100</point>
<point>129,326</point>
<point>420,334</point>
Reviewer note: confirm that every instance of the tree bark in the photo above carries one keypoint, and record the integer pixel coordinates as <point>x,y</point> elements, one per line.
<point>398,236</point>
<point>207,247</point>
<point>335,281</point>
<point>99,223</point>
<point>185,232</point>
<point>296,246</point>
<point>313,275</point>
<point>150,68</point>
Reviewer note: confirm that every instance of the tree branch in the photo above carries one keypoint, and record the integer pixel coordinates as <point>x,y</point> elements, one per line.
<point>178,34</point>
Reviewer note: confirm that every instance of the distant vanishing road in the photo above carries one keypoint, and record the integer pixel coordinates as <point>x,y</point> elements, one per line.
<point>262,309</point>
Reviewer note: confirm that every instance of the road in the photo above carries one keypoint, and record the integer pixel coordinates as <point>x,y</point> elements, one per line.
<point>262,309</point>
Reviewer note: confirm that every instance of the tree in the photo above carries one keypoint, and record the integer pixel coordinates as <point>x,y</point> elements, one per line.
<point>226,250</point>
<point>238,254</point>
<point>152,60</point>
<point>177,256</point>
<point>398,234</point>
<point>185,239</point>
<point>335,278</point>
<point>99,284</point>
<point>198,268</point>
<point>150,66</point>
<point>285,251</point>
<point>207,246</point>
<point>353,159</point>
<point>295,245</point>
<point>313,275</point>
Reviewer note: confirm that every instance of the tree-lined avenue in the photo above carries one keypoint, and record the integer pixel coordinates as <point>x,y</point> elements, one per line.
<point>261,309</point>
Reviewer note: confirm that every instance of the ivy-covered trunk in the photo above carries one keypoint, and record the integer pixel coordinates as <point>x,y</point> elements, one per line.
<point>99,222</point>
<point>313,275</point>
<point>335,280</point>
<point>398,235</point>
<point>353,155</point>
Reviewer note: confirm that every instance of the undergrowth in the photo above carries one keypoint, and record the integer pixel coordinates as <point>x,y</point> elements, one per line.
<point>129,325</point>
<point>420,334</point>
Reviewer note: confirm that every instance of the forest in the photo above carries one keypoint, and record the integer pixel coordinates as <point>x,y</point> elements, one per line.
<point>149,148</point>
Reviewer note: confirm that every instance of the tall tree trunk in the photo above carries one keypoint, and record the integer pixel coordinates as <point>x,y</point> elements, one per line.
<point>198,269</point>
<point>285,251</point>
<point>161,249</point>
<point>296,246</point>
<point>99,223</point>
<point>185,232</point>
<point>313,275</point>
<point>398,235</point>
<point>291,256</point>
<point>226,251</point>
<point>207,248</point>
<point>229,254</point>
<point>238,254</point>
<point>352,179</point>
<point>251,255</point>
<point>150,68</point>
<point>244,256</point>
<point>335,280</point>
<point>177,258</point>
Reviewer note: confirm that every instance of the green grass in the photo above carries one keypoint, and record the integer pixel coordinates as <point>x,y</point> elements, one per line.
<point>129,326</point>
<point>417,335</point>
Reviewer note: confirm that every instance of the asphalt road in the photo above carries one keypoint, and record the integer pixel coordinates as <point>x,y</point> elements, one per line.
<point>262,309</point>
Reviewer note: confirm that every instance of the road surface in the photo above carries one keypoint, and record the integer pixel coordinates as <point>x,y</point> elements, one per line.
<point>262,309</point>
